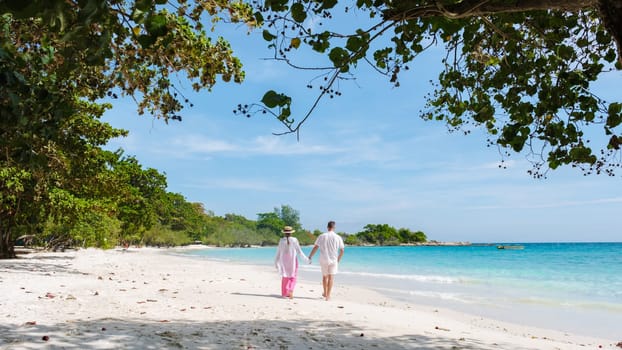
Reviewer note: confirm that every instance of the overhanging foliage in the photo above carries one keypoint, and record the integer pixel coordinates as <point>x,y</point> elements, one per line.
<point>522,70</point>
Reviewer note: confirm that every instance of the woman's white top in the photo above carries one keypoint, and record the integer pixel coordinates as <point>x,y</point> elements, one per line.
<point>287,256</point>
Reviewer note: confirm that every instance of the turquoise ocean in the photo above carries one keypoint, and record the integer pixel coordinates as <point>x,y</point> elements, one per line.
<point>571,287</point>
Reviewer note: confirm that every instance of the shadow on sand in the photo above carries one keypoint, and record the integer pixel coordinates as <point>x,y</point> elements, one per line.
<point>137,334</point>
<point>41,264</point>
<point>274,296</point>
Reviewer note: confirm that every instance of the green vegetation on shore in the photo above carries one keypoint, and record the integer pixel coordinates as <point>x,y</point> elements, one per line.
<point>153,217</point>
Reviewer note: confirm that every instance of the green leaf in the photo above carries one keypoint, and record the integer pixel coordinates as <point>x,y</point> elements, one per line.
<point>273,99</point>
<point>144,5</point>
<point>339,57</point>
<point>614,115</point>
<point>614,142</point>
<point>267,36</point>
<point>276,5</point>
<point>146,40</point>
<point>328,4</point>
<point>298,12</point>
<point>354,43</point>
<point>137,15</point>
<point>610,56</point>
<point>285,113</point>
<point>602,37</point>
<point>156,25</point>
<point>582,42</point>
<point>258,17</point>
<point>295,43</point>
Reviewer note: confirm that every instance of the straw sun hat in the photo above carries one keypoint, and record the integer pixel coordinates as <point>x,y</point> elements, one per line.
<point>288,229</point>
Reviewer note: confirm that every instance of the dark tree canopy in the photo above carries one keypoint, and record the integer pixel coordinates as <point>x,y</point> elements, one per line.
<point>521,70</point>
<point>58,60</point>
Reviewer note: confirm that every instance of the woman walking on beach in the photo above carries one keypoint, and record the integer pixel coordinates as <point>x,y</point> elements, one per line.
<point>286,261</point>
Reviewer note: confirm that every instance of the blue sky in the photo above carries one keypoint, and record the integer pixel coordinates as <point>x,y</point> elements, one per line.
<point>365,157</point>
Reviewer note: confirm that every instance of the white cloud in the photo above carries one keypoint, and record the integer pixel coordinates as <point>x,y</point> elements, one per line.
<point>556,204</point>
<point>200,144</point>
<point>273,145</point>
<point>238,184</point>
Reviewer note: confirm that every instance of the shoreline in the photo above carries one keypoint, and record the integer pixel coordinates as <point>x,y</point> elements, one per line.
<point>539,301</point>
<point>145,297</point>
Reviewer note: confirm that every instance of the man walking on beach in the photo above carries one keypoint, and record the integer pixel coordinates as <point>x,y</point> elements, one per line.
<point>331,251</point>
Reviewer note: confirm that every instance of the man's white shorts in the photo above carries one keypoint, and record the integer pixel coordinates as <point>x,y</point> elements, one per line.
<point>329,269</point>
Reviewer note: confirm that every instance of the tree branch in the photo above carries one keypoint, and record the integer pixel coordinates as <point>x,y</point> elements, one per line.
<point>405,9</point>
<point>609,10</point>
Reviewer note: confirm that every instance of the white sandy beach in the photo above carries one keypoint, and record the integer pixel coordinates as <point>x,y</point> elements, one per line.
<point>147,299</point>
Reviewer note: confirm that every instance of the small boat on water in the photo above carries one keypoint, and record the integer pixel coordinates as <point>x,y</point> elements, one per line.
<point>510,247</point>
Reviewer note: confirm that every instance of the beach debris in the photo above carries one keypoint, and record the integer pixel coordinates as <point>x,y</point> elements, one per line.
<point>619,344</point>
<point>164,321</point>
<point>340,307</point>
<point>50,295</point>
<point>45,338</point>
<point>70,297</point>
<point>162,290</point>
<point>96,293</point>
<point>362,335</point>
<point>441,329</point>
<point>30,323</point>
<point>151,300</point>
<point>103,329</point>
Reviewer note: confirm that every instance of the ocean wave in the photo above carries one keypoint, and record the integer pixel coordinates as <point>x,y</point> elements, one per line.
<point>456,297</point>
<point>417,278</point>
<point>574,304</point>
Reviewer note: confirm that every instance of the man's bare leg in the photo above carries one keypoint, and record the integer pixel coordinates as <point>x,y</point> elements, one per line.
<point>329,286</point>
<point>324,285</point>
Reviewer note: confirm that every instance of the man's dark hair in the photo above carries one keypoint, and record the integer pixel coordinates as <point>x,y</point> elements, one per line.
<point>331,224</point>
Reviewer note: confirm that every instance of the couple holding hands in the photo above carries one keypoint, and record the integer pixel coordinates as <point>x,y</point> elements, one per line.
<point>331,249</point>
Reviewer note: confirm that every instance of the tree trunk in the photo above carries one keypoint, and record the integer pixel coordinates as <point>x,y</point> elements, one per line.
<point>611,12</point>
<point>7,246</point>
